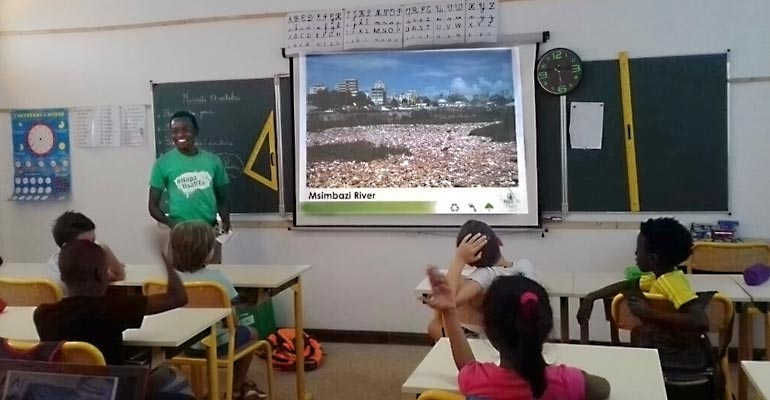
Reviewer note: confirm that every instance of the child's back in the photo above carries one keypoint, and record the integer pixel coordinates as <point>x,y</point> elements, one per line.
<point>192,245</point>
<point>90,316</point>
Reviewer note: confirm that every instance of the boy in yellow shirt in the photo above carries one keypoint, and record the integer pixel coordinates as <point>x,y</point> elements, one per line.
<point>661,246</point>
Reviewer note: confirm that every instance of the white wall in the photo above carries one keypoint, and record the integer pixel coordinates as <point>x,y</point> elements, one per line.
<point>359,280</point>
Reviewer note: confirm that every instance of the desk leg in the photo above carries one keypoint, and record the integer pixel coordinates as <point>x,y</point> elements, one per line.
<point>211,355</point>
<point>564,309</point>
<point>585,331</point>
<point>300,340</point>
<point>745,336</point>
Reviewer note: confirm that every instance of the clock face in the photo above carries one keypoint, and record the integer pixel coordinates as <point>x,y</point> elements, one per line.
<point>40,139</point>
<point>559,71</point>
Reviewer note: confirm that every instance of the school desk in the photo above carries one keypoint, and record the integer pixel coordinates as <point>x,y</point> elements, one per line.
<point>249,278</point>
<point>633,373</point>
<point>759,375</point>
<point>558,284</point>
<point>160,332</point>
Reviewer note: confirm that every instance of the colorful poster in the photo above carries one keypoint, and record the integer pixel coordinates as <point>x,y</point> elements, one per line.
<point>41,155</point>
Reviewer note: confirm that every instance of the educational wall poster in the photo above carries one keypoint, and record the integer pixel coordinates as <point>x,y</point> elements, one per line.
<point>133,125</point>
<point>96,126</point>
<point>314,31</point>
<point>41,155</point>
<point>109,126</point>
<point>425,24</point>
<point>373,27</point>
<point>430,136</point>
<point>481,20</point>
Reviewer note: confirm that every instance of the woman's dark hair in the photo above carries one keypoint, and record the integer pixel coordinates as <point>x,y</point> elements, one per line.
<point>490,254</point>
<point>517,321</point>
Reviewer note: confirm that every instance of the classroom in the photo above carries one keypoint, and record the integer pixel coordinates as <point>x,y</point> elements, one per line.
<point>699,77</point>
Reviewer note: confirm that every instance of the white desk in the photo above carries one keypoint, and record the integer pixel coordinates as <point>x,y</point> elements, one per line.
<point>759,375</point>
<point>557,284</point>
<point>170,329</point>
<point>633,373</point>
<point>274,278</point>
<point>759,294</point>
<point>587,282</point>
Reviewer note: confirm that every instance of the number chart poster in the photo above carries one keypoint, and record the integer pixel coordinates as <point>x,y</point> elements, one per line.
<point>41,155</point>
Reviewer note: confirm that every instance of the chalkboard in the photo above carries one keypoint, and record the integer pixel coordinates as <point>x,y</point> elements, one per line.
<point>680,121</point>
<point>234,117</point>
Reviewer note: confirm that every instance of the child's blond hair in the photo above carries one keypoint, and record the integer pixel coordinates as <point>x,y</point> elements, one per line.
<point>191,245</point>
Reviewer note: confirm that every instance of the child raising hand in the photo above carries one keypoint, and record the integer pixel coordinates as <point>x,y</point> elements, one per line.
<point>517,321</point>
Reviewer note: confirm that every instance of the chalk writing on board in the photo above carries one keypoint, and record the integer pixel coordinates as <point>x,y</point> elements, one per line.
<point>418,24</point>
<point>374,27</point>
<point>481,21</point>
<point>229,97</point>
<point>328,30</point>
<point>299,32</point>
<point>449,23</point>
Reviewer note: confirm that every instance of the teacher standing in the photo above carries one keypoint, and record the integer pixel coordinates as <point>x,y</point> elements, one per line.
<point>195,181</point>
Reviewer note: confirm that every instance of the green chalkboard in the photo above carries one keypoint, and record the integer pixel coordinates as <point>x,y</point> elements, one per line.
<point>232,116</point>
<point>680,120</point>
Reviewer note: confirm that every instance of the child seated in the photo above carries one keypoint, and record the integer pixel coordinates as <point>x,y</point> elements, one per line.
<point>192,245</point>
<point>88,315</point>
<point>479,247</point>
<point>75,226</point>
<point>517,321</point>
<point>661,246</point>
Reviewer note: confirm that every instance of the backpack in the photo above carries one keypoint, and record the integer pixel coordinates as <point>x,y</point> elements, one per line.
<point>284,354</point>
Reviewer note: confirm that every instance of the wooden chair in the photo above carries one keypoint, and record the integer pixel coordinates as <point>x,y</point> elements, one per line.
<point>734,258</point>
<point>435,394</point>
<point>213,295</point>
<point>719,312</point>
<point>29,292</point>
<point>80,353</point>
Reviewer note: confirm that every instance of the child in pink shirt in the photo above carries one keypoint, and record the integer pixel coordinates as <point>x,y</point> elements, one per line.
<point>517,321</point>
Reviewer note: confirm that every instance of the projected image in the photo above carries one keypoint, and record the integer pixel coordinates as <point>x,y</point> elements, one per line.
<point>411,120</point>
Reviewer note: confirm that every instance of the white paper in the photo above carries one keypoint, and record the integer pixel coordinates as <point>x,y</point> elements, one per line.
<point>97,127</point>
<point>419,22</point>
<point>449,24</point>
<point>133,125</point>
<point>586,125</point>
<point>481,21</point>
<point>226,237</point>
<point>374,27</point>
<point>328,30</point>
<point>82,125</point>
<point>299,32</point>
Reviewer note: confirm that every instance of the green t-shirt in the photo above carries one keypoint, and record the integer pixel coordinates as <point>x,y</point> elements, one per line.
<point>189,183</point>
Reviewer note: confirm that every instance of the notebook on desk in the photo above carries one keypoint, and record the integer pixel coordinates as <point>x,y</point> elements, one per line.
<point>57,381</point>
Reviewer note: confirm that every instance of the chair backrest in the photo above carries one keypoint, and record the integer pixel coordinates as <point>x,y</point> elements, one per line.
<point>719,311</point>
<point>435,394</point>
<point>199,295</point>
<point>626,320</point>
<point>80,353</point>
<point>29,292</point>
<point>727,257</point>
